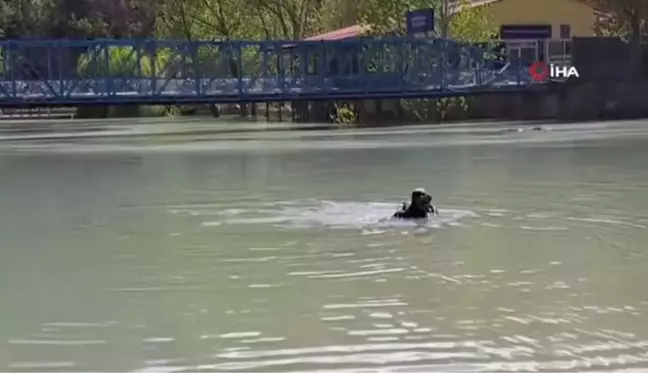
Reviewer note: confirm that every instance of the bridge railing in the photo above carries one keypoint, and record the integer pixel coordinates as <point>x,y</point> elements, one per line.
<point>162,70</point>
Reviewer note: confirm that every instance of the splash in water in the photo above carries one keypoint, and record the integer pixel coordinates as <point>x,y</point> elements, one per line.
<point>340,215</point>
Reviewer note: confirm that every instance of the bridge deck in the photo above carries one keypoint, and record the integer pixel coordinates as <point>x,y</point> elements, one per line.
<point>55,72</point>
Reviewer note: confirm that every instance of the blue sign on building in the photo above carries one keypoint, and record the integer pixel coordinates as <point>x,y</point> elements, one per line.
<point>531,32</point>
<point>420,21</point>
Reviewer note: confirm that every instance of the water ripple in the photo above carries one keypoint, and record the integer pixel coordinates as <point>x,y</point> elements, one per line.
<point>373,216</point>
<point>200,281</point>
<point>56,342</point>
<point>608,221</point>
<point>358,274</point>
<point>45,365</point>
<point>385,303</point>
<point>401,361</point>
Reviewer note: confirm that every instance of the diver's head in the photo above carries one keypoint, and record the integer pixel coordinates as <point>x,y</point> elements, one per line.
<point>421,199</point>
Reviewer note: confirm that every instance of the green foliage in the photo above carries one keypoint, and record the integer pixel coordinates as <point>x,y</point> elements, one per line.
<point>154,111</point>
<point>472,24</point>
<point>421,109</point>
<point>172,111</point>
<point>446,107</point>
<point>201,19</point>
<point>466,23</point>
<point>229,20</point>
<point>70,18</point>
<point>336,14</point>
<point>625,20</point>
<point>120,62</point>
<point>26,17</point>
<point>388,16</point>
<point>226,20</point>
<point>161,111</point>
<point>344,115</point>
<point>442,109</point>
<point>612,28</point>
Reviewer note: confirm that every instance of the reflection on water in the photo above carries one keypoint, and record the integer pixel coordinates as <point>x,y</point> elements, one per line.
<point>270,252</point>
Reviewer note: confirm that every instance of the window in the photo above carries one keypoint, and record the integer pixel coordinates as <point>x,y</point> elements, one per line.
<point>556,48</point>
<point>559,51</point>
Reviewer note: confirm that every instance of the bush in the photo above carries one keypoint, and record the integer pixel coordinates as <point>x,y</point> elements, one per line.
<point>344,115</point>
<point>120,62</point>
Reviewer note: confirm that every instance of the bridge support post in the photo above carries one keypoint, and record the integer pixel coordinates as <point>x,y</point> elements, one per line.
<point>379,108</point>
<point>243,109</point>
<point>213,108</point>
<point>300,111</point>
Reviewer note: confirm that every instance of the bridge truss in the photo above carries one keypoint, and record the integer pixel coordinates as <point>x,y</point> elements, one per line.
<point>109,72</point>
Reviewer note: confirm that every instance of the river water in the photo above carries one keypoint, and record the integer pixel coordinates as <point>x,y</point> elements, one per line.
<point>171,246</point>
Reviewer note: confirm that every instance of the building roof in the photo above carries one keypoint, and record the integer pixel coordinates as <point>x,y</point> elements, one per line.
<point>455,7</point>
<point>339,34</point>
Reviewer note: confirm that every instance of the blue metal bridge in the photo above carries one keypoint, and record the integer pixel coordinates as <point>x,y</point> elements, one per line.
<point>110,72</point>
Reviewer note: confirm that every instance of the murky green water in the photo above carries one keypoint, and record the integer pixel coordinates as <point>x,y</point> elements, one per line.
<point>257,251</point>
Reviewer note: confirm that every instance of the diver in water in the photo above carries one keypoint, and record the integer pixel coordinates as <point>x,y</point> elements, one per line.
<point>420,206</point>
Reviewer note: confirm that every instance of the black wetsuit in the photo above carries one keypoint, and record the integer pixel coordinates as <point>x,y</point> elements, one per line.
<point>414,212</point>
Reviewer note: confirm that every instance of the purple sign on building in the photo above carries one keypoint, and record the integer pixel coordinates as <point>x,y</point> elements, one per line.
<point>420,21</point>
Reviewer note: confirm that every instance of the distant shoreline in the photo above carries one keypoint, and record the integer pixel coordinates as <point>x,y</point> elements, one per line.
<point>56,130</point>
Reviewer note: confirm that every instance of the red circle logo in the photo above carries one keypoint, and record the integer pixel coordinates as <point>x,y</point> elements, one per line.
<point>539,71</point>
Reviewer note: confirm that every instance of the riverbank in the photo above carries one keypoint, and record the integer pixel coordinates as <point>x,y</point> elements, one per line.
<point>572,102</point>
<point>197,128</point>
<point>563,103</point>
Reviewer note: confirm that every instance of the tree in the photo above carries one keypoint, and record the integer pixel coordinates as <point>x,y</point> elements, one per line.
<point>26,18</point>
<point>297,18</point>
<point>341,13</point>
<point>626,17</point>
<point>471,24</point>
<point>76,18</point>
<point>388,16</point>
<point>113,18</point>
<point>466,23</point>
<point>225,20</point>
<point>458,19</point>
